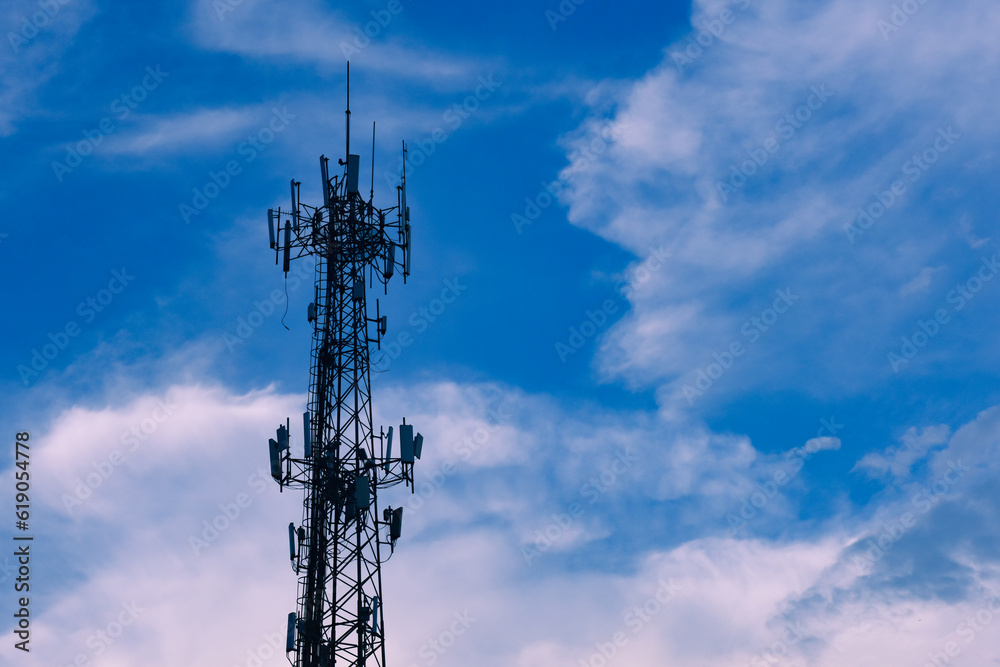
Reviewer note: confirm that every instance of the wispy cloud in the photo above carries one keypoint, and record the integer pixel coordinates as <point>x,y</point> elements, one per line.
<point>311,33</point>
<point>204,129</point>
<point>748,163</point>
<point>35,39</point>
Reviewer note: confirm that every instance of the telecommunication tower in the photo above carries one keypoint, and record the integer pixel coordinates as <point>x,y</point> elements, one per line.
<point>338,549</point>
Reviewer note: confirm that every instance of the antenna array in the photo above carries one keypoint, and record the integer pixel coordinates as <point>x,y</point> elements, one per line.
<point>337,550</point>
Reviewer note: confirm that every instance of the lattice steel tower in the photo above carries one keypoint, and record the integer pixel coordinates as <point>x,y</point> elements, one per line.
<point>337,550</point>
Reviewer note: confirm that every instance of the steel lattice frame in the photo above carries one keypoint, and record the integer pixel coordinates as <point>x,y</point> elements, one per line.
<point>339,619</point>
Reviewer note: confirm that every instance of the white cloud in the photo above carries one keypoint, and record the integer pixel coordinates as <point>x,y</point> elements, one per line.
<point>36,35</point>
<point>307,32</point>
<point>819,444</point>
<point>921,282</point>
<point>120,493</point>
<point>824,115</point>
<point>203,129</point>
<point>916,445</point>
<point>722,600</point>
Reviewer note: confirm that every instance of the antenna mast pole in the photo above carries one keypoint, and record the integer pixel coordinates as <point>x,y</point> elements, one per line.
<point>337,550</point>
<point>347,134</point>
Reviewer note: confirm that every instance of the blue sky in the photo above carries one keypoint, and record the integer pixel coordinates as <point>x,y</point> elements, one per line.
<point>721,347</point>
